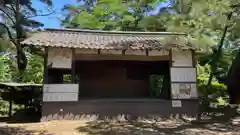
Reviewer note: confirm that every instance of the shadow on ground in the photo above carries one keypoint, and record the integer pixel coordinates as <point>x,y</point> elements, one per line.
<point>20,131</point>
<point>158,127</point>
<point>23,116</point>
<point>216,124</point>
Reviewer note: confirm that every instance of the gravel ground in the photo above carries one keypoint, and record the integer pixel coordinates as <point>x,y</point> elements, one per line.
<point>123,127</point>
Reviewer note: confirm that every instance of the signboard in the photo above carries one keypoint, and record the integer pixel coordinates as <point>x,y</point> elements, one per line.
<point>52,97</point>
<point>60,58</point>
<point>176,103</point>
<point>184,91</point>
<point>60,92</point>
<point>183,75</point>
<point>59,88</point>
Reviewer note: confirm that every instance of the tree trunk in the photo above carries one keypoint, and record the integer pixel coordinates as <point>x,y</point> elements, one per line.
<point>21,57</point>
<point>233,78</point>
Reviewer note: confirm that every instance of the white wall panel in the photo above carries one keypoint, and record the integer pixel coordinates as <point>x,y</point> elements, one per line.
<point>181,58</point>
<point>59,57</point>
<point>183,75</point>
<point>194,93</point>
<point>60,88</point>
<point>51,97</point>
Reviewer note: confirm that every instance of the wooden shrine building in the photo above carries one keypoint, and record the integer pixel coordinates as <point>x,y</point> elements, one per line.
<point>113,72</point>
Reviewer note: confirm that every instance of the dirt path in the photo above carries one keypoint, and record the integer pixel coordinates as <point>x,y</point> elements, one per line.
<point>141,127</point>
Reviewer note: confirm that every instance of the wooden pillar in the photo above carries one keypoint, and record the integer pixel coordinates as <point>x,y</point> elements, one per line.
<point>45,74</point>
<point>10,109</point>
<point>73,67</point>
<point>170,65</point>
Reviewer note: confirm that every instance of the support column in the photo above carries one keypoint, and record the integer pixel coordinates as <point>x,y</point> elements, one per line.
<point>45,74</point>
<point>73,67</point>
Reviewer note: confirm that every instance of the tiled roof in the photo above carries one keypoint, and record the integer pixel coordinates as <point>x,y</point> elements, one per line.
<point>92,39</point>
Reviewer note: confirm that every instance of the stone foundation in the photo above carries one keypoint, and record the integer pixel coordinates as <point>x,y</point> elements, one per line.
<point>127,108</point>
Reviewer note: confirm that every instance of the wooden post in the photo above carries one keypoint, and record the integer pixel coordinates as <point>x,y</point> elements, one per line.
<point>170,66</point>
<point>147,52</point>
<point>170,58</point>
<point>10,109</point>
<point>73,66</point>
<point>45,74</point>
<point>123,52</point>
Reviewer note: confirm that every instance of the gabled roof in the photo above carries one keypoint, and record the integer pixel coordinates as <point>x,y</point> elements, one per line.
<point>95,39</point>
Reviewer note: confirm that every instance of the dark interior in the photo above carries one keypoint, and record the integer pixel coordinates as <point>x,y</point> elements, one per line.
<point>118,79</point>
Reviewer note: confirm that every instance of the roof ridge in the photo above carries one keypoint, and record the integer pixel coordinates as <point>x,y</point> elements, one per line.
<point>114,32</point>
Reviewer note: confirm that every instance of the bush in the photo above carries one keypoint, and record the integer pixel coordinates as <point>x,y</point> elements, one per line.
<point>216,93</point>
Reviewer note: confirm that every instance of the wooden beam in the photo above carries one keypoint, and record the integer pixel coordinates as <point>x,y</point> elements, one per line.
<point>111,52</point>
<point>98,51</point>
<point>135,52</point>
<point>170,58</point>
<point>45,74</point>
<point>123,57</point>
<point>73,66</point>
<point>194,62</point>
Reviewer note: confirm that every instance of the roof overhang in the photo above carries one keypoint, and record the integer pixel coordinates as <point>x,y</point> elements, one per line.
<point>2,84</point>
<point>97,39</point>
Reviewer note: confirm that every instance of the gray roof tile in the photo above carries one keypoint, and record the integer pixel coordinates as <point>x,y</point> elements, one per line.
<point>90,39</point>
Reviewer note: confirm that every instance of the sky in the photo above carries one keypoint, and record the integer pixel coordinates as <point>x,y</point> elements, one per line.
<point>52,21</point>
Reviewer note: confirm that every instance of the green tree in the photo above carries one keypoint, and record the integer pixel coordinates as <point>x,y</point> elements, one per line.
<point>5,69</point>
<point>17,19</point>
<point>110,14</point>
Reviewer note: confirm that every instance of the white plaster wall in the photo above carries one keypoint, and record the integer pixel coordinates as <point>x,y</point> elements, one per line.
<point>183,74</point>
<point>60,92</point>
<point>53,97</point>
<point>71,88</point>
<point>194,93</point>
<point>181,58</point>
<point>59,57</point>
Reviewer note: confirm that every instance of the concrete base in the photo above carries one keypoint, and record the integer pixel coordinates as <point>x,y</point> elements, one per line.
<point>114,107</point>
